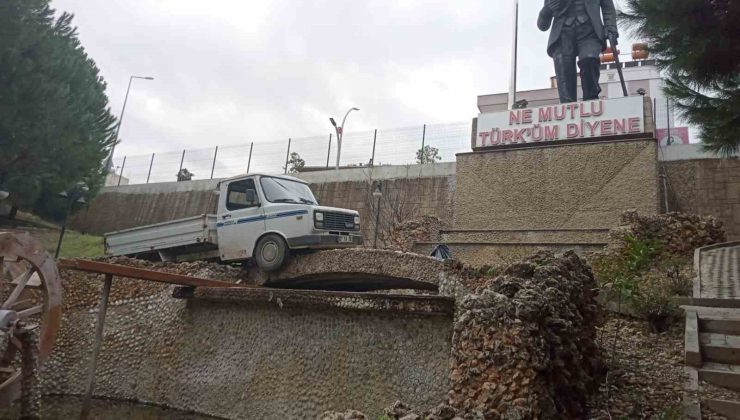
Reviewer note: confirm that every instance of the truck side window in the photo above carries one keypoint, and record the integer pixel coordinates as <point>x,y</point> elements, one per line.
<point>236,195</point>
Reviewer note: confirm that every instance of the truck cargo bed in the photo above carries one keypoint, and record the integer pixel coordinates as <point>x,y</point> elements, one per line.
<point>191,233</point>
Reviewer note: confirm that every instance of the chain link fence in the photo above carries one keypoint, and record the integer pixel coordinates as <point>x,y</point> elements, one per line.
<point>376,147</point>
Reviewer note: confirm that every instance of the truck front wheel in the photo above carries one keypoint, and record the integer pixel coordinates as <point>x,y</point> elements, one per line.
<point>271,252</point>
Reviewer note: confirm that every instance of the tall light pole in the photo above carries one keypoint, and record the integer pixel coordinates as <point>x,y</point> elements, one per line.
<point>109,163</point>
<point>340,133</point>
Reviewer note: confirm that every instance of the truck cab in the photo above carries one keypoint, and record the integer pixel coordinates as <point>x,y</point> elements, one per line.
<point>266,216</point>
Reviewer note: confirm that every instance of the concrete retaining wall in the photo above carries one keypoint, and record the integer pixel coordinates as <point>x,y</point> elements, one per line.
<point>707,187</point>
<point>559,187</point>
<point>265,357</point>
<point>423,190</point>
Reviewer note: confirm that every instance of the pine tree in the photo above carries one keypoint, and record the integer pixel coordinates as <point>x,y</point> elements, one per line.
<point>55,124</point>
<point>697,44</point>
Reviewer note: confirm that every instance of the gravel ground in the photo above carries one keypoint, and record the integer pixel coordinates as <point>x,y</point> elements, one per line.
<point>645,378</point>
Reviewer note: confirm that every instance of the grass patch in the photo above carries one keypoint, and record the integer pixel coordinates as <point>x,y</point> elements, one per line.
<point>74,245</point>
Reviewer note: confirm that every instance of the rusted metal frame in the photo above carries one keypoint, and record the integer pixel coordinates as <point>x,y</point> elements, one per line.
<point>102,308</point>
<point>142,274</point>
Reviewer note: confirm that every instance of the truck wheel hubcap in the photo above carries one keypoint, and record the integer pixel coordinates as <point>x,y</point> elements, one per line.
<point>269,251</point>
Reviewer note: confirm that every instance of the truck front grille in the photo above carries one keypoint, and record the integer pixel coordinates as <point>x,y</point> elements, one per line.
<point>339,221</point>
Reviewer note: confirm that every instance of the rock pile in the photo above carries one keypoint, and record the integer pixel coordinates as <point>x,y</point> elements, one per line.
<point>678,233</point>
<point>523,347</point>
<point>402,236</point>
<point>524,343</point>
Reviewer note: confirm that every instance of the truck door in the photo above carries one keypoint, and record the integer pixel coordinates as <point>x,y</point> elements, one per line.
<point>240,221</point>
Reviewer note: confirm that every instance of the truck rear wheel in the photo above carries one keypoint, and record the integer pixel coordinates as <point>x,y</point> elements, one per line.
<point>271,252</point>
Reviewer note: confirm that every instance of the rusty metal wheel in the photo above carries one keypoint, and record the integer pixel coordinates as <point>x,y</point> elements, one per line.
<point>31,294</point>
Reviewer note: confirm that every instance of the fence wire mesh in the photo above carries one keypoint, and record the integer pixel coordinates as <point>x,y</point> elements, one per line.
<point>397,146</point>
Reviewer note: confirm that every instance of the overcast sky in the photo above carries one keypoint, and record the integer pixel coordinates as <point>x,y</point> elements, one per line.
<point>234,71</point>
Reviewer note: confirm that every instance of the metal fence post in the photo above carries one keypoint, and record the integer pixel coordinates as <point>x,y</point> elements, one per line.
<point>372,158</point>
<point>328,152</point>
<point>123,165</point>
<point>249,162</point>
<point>182,159</point>
<point>287,155</point>
<point>668,121</point>
<point>150,169</point>
<point>422,155</point>
<point>213,168</point>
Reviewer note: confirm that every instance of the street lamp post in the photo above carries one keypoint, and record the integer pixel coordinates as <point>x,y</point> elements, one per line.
<point>120,119</point>
<point>340,133</point>
<point>74,195</point>
<point>378,193</point>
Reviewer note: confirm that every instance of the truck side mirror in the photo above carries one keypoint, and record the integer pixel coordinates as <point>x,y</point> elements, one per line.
<point>251,197</point>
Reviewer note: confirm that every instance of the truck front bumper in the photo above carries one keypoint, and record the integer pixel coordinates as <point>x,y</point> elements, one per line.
<point>324,241</point>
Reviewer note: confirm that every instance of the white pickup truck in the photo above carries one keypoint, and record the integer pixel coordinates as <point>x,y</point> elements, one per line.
<point>262,217</point>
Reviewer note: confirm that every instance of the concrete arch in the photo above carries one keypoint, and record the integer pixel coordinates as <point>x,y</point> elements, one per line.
<point>361,269</point>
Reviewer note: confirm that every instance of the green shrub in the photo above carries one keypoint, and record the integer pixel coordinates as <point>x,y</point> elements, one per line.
<point>653,299</point>
<point>646,278</point>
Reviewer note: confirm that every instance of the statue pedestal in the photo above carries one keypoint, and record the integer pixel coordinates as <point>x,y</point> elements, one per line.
<point>514,197</point>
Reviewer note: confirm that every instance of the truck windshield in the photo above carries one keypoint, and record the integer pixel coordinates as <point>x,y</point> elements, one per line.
<point>280,190</point>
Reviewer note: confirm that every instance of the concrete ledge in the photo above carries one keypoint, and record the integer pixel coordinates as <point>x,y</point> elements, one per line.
<point>287,298</point>
<point>527,236</point>
<point>479,254</point>
<point>366,173</point>
<point>692,350</point>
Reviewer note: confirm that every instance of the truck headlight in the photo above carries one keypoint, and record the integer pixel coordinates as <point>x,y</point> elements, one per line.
<point>357,222</point>
<point>318,220</point>
<point>319,216</point>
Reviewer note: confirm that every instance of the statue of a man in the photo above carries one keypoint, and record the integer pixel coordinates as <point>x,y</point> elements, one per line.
<point>578,31</point>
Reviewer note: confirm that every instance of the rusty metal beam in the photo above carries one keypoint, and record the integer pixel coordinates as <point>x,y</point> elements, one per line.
<point>142,274</point>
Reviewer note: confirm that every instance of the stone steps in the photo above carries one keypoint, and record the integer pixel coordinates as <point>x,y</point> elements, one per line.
<point>712,356</point>
<point>729,409</point>
<point>720,322</point>
<point>720,348</point>
<point>721,374</point>
<point>712,334</point>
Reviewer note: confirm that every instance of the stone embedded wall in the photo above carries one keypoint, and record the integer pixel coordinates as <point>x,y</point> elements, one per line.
<point>571,186</point>
<point>706,187</point>
<point>269,360</point>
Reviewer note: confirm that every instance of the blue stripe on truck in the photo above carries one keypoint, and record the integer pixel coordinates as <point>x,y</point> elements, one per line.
<point>269,216</point>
